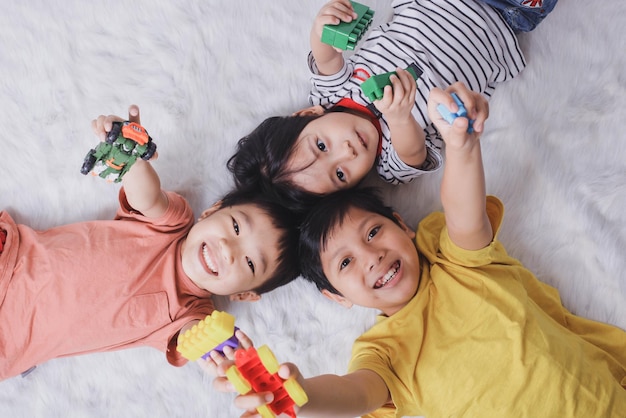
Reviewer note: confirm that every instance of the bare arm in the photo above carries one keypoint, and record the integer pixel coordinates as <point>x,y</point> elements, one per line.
<point>141,183</point>
<point>328,59</point>
<point>354,394</point>
<point>407,136</point>
<point>463,185</point>
<point>328,395</point>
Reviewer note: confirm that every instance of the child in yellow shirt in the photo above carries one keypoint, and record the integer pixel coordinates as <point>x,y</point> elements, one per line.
<point>464,329</point>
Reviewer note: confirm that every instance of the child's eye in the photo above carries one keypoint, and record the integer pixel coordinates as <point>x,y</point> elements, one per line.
<point>321,145</point>
<point>235,226</point>
<point>340,175</point>
<point>250,264</point>
<point>373,233</point>
<point>344,263</point>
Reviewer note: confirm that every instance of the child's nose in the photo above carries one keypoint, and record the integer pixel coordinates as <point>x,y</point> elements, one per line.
<point>347,150</point>
<point>372,257</point>
<point>375,261</point>
<point>226,251</point>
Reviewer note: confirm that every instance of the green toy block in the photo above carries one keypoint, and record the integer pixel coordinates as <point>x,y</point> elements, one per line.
<point>345,35</point>
<point>374,86</point>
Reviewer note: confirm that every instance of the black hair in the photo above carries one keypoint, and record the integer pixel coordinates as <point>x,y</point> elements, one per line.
<point>286,222</point>
<point>322,220</point>
<point>261,160</point>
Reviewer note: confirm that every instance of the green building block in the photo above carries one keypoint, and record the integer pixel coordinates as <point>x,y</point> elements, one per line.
<point>374,86</point>
<point>345,35</point>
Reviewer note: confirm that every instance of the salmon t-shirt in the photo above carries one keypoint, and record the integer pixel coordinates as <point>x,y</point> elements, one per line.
<point>96,286</point>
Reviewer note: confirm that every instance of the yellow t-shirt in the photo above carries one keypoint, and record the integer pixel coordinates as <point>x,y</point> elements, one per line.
<point>484,338</point>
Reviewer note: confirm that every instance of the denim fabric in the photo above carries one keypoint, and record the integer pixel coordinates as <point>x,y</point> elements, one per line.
<point>523,15</point>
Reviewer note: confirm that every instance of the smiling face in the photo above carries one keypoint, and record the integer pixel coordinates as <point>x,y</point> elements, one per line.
<point>334,152</point>
<point>232,250</point>
<point>372,262</point>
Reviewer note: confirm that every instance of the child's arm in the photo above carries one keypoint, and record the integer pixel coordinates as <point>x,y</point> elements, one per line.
<point>141,183</point>
<point>348,396</point>
<point>463,185</point>
<point>328,59</point>
<point>407,136</point>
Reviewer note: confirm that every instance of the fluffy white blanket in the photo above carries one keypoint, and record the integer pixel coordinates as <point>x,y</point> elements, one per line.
<point>204,73</point>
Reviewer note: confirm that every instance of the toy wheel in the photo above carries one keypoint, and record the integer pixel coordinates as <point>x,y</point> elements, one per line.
<point>114,133</point>
<point>89,162</point>
<point>265,412</point>
<point>268,359</point>
<point>150,150</point>
<point>295,391</point>
<point>238,381</point>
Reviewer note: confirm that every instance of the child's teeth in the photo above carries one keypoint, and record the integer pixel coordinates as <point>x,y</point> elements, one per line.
<point>388,276</point>
<point>207,259</point>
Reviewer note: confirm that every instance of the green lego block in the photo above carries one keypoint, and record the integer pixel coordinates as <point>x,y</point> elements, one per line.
<point>374,86</point>
<point>345,35</point>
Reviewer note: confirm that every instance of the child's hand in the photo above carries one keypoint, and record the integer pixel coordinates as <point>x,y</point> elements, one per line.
<point>253,400</point>
<point>103,124</point>
<point>455,135</point>
<point>398,98</point>
<point>333,13</point>
<point>211,364</point>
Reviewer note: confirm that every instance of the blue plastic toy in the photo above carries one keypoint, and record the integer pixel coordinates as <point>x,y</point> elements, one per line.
<point>449,116</point>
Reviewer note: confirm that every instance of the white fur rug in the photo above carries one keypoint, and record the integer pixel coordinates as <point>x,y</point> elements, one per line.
<point>204,73</point>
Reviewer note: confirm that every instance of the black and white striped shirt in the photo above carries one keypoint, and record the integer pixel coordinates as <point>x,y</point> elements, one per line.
<point>450,40</point>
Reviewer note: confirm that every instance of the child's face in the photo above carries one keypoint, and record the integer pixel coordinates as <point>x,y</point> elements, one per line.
<point>372,262</point>
<point>333,152</point>
<point>231,250</point>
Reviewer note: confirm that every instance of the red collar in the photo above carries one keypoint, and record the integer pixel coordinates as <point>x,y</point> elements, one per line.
<point>351,104</point>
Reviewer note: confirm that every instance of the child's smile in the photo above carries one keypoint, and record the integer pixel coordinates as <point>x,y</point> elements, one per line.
<point>389,279</point>
<point>372,261</point>
<point>207,257</point>
<point>220,254</point>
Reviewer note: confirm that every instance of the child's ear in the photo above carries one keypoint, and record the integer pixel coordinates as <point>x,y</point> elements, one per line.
<point>405,228</point>
<point>249,296</point>
<point>337,298</point>
<point>316,110</point>
<point>208,212</point>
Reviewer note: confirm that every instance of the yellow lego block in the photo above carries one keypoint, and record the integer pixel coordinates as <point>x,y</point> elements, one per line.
<point>206,335</point>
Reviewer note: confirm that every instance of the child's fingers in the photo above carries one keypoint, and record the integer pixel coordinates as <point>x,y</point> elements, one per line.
<point>216,357</point>
<point>223,366</point>
<point>253,400</point>
<point>222,384</point>
<point>343,10</point>
<point>336,12</point>
<point>403,87</point>
<point>209,366</point>
<point>244,340</point>
<point>133,114</point>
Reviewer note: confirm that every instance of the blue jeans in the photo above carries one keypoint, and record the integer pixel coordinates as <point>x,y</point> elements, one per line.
<point>523,15</point>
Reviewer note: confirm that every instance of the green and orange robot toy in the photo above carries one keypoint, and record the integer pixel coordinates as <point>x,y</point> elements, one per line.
<point>111,159</point>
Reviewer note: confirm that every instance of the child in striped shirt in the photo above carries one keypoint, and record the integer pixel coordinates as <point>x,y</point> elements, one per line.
<point>333,144</point>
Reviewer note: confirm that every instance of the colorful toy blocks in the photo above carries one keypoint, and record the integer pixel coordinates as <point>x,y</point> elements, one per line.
<point>258,370</point>
<point>449,116</point>
<point>345,35</point>
<point>374,86</point>
<point>213,333</point>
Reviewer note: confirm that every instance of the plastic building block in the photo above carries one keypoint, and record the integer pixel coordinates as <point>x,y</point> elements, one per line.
<point>257,369</point>
<point>345,35</point>
<point>112,158</point>
<point>462,112</point>
<point>374,86</point>
<point>213,333</point>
